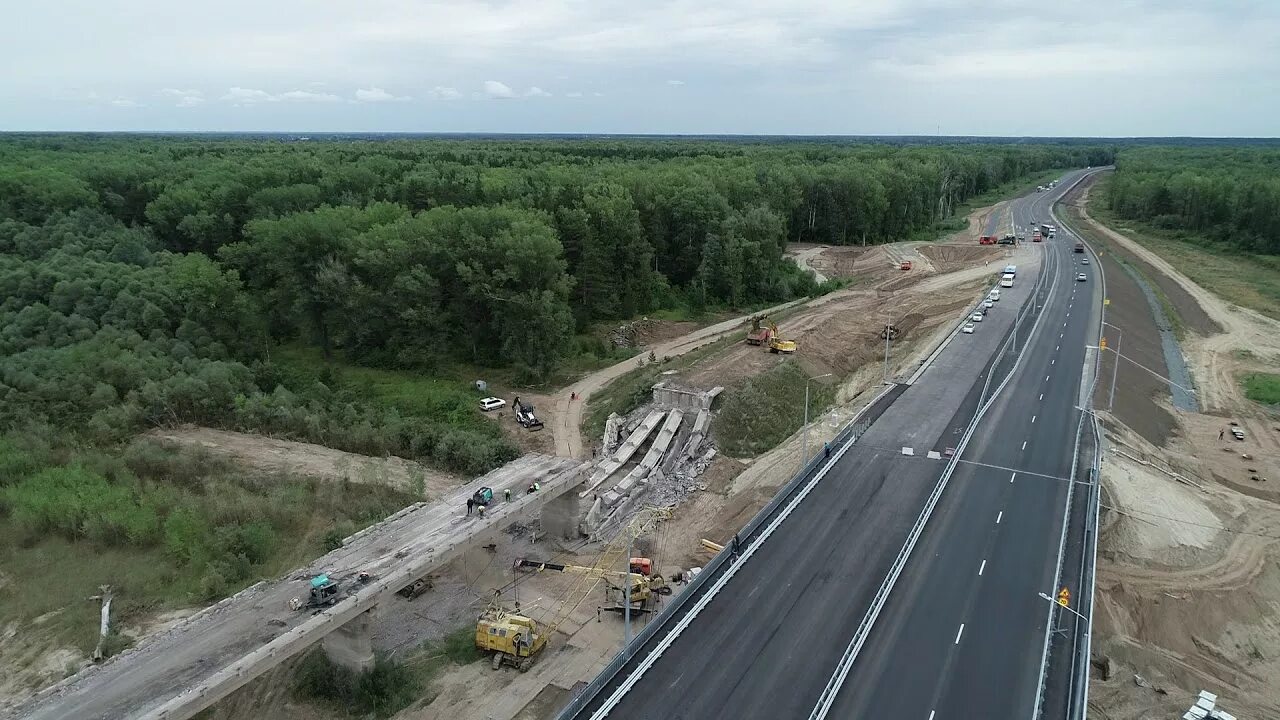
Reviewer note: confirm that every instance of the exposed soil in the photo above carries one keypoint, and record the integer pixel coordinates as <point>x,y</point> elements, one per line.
<point>271,455</point>
<point>949,258</point>
<point>1189,569</point>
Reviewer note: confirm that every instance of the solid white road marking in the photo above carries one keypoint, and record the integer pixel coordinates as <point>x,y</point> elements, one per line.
<point>959,633</point>
<point>1024,444</point>
<point>1001,514</point>
<point>982,567</point>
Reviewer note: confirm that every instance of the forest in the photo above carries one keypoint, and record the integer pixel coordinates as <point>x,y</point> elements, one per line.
<point>1224,196</point>
<point>149,280</point>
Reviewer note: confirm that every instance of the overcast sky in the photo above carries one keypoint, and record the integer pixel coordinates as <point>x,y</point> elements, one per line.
<point>955,67</point>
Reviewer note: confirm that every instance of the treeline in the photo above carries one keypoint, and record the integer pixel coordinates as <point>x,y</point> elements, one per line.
<point>1226,195</point>
<point>144,281</point>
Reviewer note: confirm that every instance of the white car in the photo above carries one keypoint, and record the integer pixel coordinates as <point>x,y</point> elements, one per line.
<point>1080,277</point>
<point>1237,433</point>
<point>492,403</point>
<point>968,328</point>
<point>988,303</point>
<point>1084,261</point>
<point>976,317</point>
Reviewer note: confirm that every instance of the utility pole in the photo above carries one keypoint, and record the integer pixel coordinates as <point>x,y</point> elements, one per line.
<point>626,593</point>
<point>1115,367</point>
<point>887,334</point>
<point>804,452</point>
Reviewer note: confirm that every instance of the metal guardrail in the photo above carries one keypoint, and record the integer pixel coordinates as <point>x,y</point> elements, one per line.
<point>722,560</point>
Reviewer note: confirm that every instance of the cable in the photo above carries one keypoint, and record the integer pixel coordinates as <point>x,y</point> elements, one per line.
<point>1188,522</point>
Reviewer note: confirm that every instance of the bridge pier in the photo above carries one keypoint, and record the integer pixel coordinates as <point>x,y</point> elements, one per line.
<point>351,646</point>
<point>560,517</point>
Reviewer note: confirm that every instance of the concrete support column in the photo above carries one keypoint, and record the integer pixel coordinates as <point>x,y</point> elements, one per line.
<point>351,646</point>
<point>560,517</point>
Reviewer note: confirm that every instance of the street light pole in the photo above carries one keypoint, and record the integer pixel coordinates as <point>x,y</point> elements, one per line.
<point>804,453</point>
<point>1064,607</point>
<point>626,595</point>
<point>886,353</point>
<point>1115,367</point>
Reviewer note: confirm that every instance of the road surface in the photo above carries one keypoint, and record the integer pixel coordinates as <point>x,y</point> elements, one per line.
<point>767,644</point>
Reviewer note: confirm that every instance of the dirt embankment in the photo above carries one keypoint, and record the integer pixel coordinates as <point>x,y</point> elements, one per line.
<point>1189,554</point>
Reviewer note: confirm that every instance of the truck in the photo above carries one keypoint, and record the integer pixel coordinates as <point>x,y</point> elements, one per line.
<point>1008,240</point>
<point>1036,236</point>
<point>1011,270</point>
<point>1079,247</point>
<point>1044,229</point>
<point>987,240</point>
<point>760,332</point>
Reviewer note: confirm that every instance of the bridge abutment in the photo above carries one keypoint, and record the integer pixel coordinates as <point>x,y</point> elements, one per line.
<point>560,517</point>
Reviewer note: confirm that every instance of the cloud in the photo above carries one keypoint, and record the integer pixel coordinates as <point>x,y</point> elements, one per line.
<point>377,94</point>
<point>308,96</point>
<point>125,103</point>
<point>573,94</point>
<point>498,91</point>
<point>184,98</point>
<point>536,91</point>
<point>441,92</point>
<point>248,96</point>
<point>675,82</point>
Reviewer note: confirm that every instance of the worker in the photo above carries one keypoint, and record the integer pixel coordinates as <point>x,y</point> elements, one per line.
<point>534,488</point>
<point>506,494</point>
<point>826,449</point>
<point>1221,433</point>
<point>480,509</point>
<point>471,503</point>
<point>736,545</point>
<point>573,396</point>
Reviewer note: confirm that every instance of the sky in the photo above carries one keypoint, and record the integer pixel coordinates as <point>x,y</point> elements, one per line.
<point>821,67</point>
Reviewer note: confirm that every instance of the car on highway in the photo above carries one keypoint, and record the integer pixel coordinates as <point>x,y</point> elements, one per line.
<point>976,317</point>
<point>1081,277</point>
<point>988,303</point>
<point>968,328</point>
<point>995,294</point>
<point>492,403</point>
<point>1084,261</point>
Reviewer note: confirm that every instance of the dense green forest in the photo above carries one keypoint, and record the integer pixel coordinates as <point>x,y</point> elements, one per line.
<point>147,280</point>
<point>1227,196</point>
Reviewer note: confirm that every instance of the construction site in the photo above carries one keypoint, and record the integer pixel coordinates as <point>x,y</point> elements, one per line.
<point>1188,571</point>
<point>551,595</point>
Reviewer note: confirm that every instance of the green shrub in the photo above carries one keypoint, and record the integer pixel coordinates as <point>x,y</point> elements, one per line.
<point>1263,388</point>
<point>387,688</point>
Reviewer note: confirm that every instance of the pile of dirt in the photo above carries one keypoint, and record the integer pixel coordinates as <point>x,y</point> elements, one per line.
<point>839,262</point>
<point>950,257</point>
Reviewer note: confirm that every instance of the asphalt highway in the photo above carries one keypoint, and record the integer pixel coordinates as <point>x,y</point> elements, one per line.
<point>766,645</point>
<point>965,635</point>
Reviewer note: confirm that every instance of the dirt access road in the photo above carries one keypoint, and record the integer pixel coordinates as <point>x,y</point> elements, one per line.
<point>1188,594</point>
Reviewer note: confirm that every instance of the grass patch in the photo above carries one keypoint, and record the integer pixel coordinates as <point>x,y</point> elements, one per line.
<point>767,409</point>
<point>165,528</point>
<point>1251,281</point>
<point>1262,388</point>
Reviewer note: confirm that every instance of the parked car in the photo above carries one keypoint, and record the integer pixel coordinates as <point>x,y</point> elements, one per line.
<point>1237,433</point>
<point>988,303</point>
<point>492,403</point>
<point>976,317</point>
<point>968,328</point>
<point>1080,277</point>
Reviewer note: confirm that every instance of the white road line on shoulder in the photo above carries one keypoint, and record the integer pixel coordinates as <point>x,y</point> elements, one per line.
<point>982,567</point>
<point>1024,444</point>
<point>959,633</point>
<point>1000,514</point>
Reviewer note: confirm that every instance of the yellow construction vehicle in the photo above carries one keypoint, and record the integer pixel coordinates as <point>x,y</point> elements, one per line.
<point>645,585</point>
<point>777,344</point>
<point>509,638</point>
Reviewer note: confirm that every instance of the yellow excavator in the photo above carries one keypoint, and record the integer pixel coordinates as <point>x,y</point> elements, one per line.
<point>777,344</point>
<point>510,638</point>
<point>645,586</point>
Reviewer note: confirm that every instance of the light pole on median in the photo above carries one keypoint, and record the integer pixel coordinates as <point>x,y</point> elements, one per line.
<point>805,442</point>
<point>1064,607</point>
<point>1167,381</point>
<point>1115,367</point>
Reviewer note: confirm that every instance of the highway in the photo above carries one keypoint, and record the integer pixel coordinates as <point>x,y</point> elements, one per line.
<point>965,635</point>
<point>767,644</point>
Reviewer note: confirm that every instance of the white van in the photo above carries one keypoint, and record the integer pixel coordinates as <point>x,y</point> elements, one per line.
<point>1010,269</point>
<point>995,294</point>
<point>1007,280</point>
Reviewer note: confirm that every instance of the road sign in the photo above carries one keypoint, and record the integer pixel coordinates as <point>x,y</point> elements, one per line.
<point>1106,301</point>
<point>1064,597</point>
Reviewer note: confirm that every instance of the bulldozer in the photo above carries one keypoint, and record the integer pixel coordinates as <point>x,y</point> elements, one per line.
<point>525,416</point>
<point>645,585</point>
<point>509,638</point>
<point>777,344</point>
